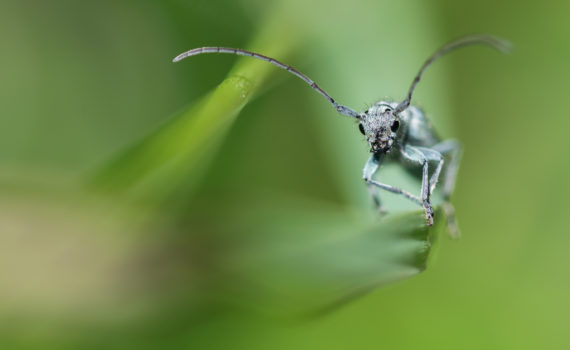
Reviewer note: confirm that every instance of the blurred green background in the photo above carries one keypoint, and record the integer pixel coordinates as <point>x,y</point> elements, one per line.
<point>145,266</point>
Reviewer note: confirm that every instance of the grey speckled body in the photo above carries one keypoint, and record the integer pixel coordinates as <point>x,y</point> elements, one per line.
<point>408,138</point>
<point>396,131</point>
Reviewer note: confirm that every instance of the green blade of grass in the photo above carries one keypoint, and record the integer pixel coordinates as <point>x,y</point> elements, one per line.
<point>296,256</point>
<point>178,146</point>
<point>178,152</point>
<point>277,255</point>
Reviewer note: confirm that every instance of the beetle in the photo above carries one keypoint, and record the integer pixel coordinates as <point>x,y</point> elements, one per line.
<point>396,131</point>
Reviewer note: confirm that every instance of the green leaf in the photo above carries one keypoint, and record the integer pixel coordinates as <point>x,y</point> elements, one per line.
<point>161,160</point>
<point>177,153</point>
<point>297,256</point>
<point>278,255</point>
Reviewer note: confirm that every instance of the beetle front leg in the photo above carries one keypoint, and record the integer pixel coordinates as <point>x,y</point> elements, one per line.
<point>426,194</point>
<point>370,169</point>
<point>452,149</point>
<point>420,156</point>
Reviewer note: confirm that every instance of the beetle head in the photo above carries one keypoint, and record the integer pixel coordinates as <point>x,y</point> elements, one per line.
<point>380,125</point>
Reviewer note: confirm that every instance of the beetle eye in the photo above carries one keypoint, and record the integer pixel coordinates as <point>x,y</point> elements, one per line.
<point>361,128</point>
<point>395,125</point>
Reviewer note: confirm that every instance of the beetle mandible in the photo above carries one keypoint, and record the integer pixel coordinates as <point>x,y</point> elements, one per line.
<point>396,131</point>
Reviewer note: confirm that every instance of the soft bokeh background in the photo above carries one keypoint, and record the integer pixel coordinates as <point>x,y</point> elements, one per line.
<point>80,81</point>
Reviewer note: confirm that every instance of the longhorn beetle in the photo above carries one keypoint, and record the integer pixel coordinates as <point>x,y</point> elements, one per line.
<point>396,131</point>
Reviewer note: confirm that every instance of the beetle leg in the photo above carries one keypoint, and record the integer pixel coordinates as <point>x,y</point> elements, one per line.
<point>370,169</point>
<point>435,176</point>
<point>453,149</point>
<point>426,194</point>
<point>421,156</point>
<point>368,172</point>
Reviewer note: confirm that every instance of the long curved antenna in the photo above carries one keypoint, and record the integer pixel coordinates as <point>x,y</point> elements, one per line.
<point>496,43</point>
<point>198,51</point>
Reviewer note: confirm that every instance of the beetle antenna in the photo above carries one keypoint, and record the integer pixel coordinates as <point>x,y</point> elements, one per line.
<point>496,43</point>
<point>201,50</point>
